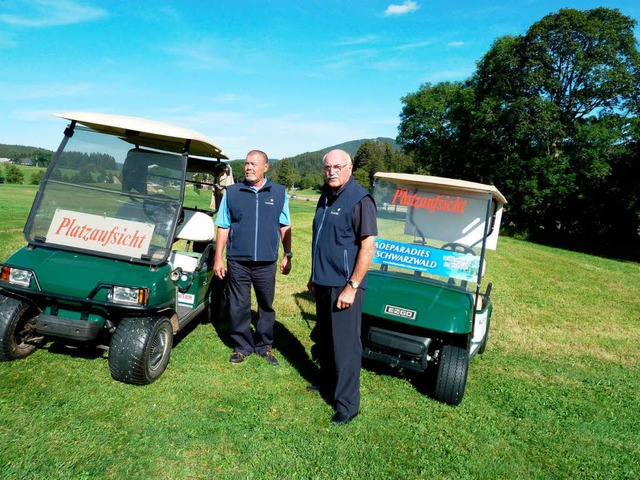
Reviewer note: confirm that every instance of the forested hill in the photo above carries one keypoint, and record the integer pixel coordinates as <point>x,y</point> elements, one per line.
<point>20,151</point>
<point>307,167</point>
<point>353,146</point>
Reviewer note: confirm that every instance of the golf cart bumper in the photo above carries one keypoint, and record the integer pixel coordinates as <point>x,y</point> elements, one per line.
<point>397,349</point>
<point>54,326</point>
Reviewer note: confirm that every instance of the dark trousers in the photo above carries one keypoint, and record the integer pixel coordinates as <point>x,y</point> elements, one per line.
<point>242,275</point>
<point>339,348</point>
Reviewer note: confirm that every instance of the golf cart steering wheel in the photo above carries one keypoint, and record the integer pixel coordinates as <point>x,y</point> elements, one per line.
<point>158,209</point>
<point>458,248</point>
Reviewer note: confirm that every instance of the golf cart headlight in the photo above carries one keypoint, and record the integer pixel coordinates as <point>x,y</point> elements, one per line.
<point>128,295</point>
<point>17,276</point>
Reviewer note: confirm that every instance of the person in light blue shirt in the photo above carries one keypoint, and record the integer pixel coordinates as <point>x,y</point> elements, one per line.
<point>223,220</point>
<point>252,220</point>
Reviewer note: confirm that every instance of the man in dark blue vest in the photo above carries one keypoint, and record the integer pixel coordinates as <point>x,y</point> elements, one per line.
<point>343,244</point>
<point>252,219</point>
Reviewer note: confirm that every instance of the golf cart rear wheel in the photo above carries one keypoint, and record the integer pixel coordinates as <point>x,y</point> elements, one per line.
<point>18,337</point>
<point>452,375</point>
<point>140,349</point>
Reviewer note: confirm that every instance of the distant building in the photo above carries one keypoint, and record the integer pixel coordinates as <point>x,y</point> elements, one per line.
<point>25,161</point>
<point>5,160</point>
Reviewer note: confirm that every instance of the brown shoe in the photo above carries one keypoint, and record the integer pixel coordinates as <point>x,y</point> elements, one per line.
<point>237,357</point>
<point>269,357</point>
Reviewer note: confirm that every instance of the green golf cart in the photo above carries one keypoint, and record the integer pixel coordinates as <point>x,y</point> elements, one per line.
<point>120,244</point>
<point>424,309</point>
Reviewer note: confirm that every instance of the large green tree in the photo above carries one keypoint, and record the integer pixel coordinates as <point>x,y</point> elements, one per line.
<point>549,117</point>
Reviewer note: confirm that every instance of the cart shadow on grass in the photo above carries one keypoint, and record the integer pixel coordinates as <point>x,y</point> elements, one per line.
<point>100,350</point>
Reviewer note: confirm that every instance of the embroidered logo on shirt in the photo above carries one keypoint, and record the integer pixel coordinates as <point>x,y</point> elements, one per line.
<point>269,202</point>
<point>337,212</point>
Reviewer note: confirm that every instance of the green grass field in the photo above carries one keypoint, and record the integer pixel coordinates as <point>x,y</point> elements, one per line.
<point>556,395</point>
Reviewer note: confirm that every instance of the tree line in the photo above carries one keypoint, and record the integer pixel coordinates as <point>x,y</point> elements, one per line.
<point>304,171</point>
<point>551,118</point>
<point>39,156</point>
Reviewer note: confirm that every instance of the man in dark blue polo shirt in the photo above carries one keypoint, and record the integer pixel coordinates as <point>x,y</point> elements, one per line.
<point>344,230</point>
<point>252,219</point>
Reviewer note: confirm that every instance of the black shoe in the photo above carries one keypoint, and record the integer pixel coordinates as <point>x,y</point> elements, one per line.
<point>269,357</point>
<point>314,388</point>
<point>237,357</point>
<point>341,418</point>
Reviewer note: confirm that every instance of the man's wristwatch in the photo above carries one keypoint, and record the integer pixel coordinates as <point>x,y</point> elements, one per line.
<point>288,254</point>
<point>353,283</point>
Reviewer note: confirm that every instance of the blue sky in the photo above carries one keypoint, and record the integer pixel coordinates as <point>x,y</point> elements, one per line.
<point>281,76</point>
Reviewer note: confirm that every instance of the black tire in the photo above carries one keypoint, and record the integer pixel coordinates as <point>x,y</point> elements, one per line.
<point>17,329</point>
<point>452,375</point>
<point>485,339</point>
<point>139,350</point>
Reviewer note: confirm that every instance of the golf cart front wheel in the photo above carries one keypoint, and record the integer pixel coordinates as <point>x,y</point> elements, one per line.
<point>139,350</point>
<point>18,337</point>
<point>452,375</point>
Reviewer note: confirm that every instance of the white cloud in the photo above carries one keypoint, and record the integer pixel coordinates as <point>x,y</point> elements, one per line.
<point>411,46</point>
<point>280,136</point>
<point>358,40</point>
<point>455,44</point>
<point>389,65</point>
<point>198,55</point>
<point>32,115</point>
<point>51,13</point>
<point>6,41</point>
<point>236,132</point>
<point>15,92</point>
<point>407,7</point>
<point>448,75</point>
<point>361,57</point>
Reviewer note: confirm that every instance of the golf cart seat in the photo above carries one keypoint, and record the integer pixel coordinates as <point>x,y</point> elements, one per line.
<point>197,227</point>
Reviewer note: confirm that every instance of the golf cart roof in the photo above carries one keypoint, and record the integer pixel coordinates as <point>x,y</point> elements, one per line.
<point>441,183</point>
<point>148,133</point>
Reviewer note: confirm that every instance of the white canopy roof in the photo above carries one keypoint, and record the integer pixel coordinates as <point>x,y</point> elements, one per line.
<point>441,183</point>
<point>148,133</point>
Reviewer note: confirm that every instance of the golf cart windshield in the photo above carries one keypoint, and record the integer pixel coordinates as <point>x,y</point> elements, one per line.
<point>107,197</point>
<point>434,227</point>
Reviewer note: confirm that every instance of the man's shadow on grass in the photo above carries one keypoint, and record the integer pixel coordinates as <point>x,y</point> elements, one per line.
<point>99,349</point>
<point>289,345</point>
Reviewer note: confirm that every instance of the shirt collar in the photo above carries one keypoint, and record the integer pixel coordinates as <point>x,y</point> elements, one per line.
<point>266,184</point>
<point>331,194</point>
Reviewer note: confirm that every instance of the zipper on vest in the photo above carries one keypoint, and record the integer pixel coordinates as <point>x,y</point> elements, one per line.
<point>255,239</point>
<point>345,259</point>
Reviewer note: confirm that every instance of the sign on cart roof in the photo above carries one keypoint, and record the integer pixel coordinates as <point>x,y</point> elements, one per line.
<point>449,184</point>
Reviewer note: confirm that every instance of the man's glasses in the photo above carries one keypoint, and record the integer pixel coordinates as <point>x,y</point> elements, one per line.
<point>337,168</point>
